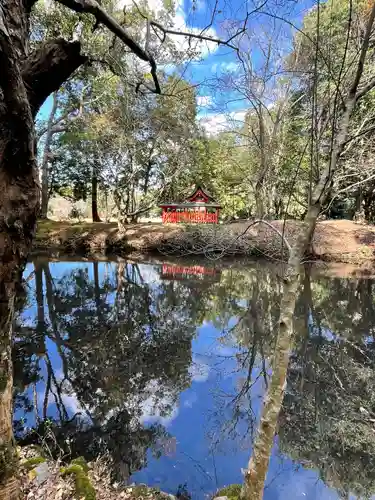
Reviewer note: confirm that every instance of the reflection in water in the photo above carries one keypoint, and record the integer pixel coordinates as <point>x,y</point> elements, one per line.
<point>164,368</point>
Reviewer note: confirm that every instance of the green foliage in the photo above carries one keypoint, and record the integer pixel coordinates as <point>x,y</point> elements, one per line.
<point>233,492</point>
<point>139,491</point>
<point>81,462</point>
<point>137,145</point>
<point>168,4</point>
<point>84,488</point>
<point>32,462</point>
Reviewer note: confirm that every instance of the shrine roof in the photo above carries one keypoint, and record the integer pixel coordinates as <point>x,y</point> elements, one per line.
<point>199,198</point>
<point>188,204</point>
<point>199,192</point>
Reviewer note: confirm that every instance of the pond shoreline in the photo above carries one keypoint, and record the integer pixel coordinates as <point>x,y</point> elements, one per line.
<point>335,241</point>
<point>42,476</point>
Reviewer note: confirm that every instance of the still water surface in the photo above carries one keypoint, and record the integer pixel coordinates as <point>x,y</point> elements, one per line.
<point>163,368</point>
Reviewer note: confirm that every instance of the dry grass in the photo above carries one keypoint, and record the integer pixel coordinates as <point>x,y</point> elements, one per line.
<point>334,240</point>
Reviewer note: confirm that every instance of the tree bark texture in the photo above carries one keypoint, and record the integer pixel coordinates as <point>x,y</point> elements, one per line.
<point>260,194</point>
<point>94,195</point>
<point>26,80</point>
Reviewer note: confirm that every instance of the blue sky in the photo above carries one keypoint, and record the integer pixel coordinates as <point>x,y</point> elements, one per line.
<point>217,103</point>
<point>219,106</point>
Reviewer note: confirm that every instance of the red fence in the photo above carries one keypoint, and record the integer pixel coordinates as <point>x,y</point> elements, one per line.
<point>171,270</point>
<point>190,217</point>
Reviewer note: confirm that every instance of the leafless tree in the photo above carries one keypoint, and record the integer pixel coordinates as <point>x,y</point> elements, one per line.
<point>349,96</point>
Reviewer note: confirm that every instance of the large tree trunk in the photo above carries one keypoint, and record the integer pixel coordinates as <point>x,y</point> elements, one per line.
<point>94,195</point>
<point>19,201</point>
<point>9,489</point>
<point>25,82</point>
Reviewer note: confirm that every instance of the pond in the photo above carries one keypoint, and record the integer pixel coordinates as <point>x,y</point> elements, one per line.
<point>162,368</point>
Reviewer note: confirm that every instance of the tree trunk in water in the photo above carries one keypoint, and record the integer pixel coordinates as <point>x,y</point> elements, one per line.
<point>97,291</point>
<point>41,324</point>
<point>258,465</point>
<point>46,154</point>
<point>19,200</point>
<point>9,489</point>
<point>94,196</point>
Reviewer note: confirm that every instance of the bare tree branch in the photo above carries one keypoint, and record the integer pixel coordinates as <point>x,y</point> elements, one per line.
<point>198,36</point>
<point>369,86</point>
<point>359,134</point>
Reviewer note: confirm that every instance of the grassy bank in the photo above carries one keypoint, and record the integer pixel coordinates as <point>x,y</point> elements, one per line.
<point>334,241</point>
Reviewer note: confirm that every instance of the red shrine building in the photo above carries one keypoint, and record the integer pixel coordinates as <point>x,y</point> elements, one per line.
<point>199,208</point>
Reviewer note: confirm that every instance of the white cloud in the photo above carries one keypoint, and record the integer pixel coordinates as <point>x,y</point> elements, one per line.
<point>230,67</point>
<point>191,399</point>
<point>71,403</point>
<point>204,101</point>
<point>225,67</point>
<point>153,408</point>
<point>69,398</point>
<point>220,122</point>
<point>200,5</point>
<point>150,415</point>
<point>199,371</point>
<point>150,274</point>
<point>193,48</point>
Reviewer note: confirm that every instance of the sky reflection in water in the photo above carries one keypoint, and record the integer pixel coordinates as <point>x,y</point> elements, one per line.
<point>164,367</point>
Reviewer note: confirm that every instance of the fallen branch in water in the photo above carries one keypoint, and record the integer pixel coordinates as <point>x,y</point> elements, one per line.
<point>215,242</point>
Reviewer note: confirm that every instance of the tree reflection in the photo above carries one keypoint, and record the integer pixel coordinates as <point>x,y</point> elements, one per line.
<point>328,415</point>
<point>252,296</point>
<point>100,359</point>
<point>327,418</point>
<point>118,347</point>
